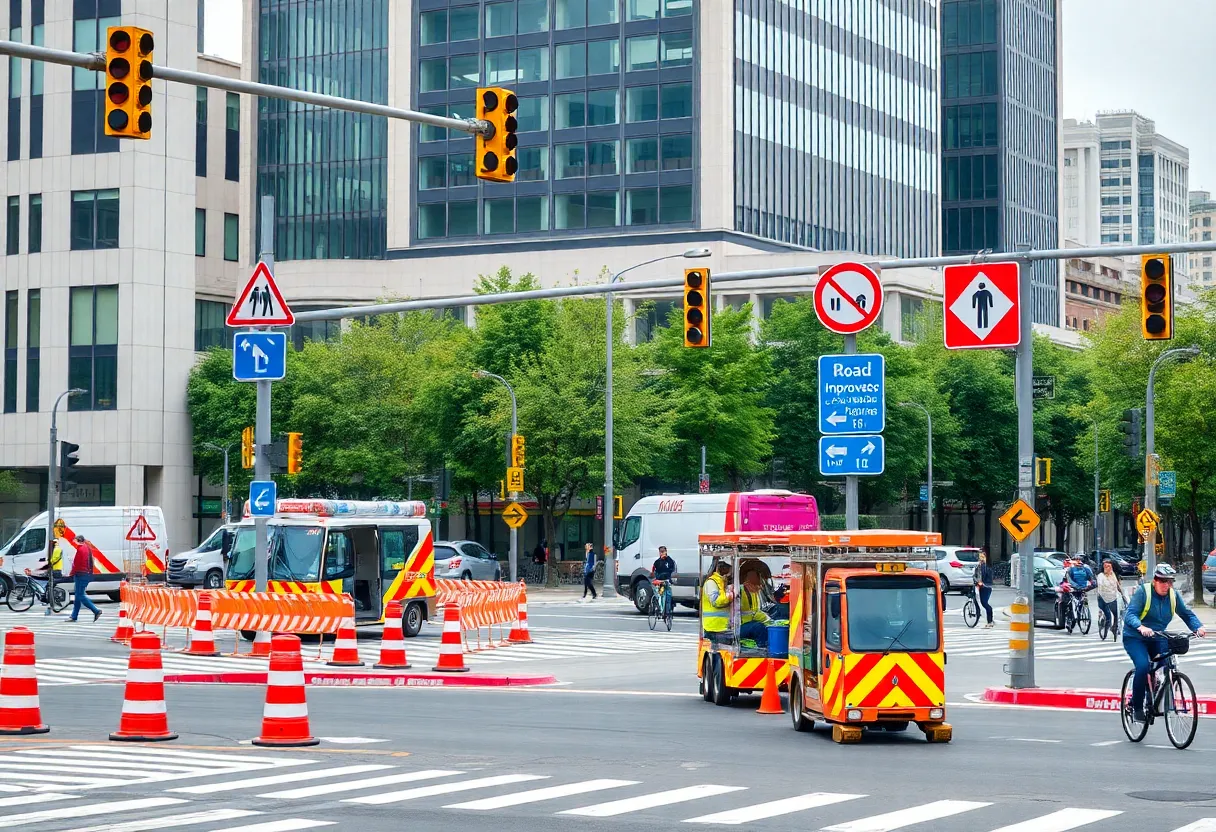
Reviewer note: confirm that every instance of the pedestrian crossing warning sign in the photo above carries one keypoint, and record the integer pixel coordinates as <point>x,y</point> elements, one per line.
<point>140,531</point>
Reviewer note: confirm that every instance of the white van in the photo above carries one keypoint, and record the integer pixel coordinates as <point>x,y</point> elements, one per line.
<point>675,521</point>
<point>105,527</point>
<point>201,566</point>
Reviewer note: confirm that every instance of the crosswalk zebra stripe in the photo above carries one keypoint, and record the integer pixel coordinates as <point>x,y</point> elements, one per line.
<point>1201,825</point>
<point>775,808</point>
<point>23,800</point>
<point>85,811</point>
<point>356,785</point>
<point>906,817</point>
<point>1060,821</point>
<point>191,819</point>
<point>284,825</point>
<point>649,801</point>
<point>445,788</point>
<point>275,779</point>
<point>537,795</point>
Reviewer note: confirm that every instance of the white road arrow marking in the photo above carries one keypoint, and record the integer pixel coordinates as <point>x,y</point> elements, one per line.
<point>261,501</point>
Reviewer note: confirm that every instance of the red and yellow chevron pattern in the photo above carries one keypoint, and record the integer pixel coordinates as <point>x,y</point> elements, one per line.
<point>897,680</point>
<point>416,579</point>
<point>288,587</point>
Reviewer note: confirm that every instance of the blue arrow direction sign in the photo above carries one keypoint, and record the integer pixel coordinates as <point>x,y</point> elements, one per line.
<point>259,356</point>
<point>262,498</point>
<point>841,456</point>
<point>852,394</point>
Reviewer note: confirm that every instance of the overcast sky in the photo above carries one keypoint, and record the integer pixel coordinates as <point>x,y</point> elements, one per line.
<point>1154,56</point>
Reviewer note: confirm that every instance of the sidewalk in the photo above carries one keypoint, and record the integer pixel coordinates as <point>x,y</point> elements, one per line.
<point>572,594</point>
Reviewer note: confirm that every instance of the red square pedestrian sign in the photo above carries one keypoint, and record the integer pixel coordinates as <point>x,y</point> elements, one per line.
<point>981,306</point>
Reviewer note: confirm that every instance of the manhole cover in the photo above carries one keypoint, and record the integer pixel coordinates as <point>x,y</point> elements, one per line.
<point>1173,797</point>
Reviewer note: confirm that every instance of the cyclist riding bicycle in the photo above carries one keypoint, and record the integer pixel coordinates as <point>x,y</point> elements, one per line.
<point>1080,580</point>
<point>664,569</point>
<point>1150,612</point>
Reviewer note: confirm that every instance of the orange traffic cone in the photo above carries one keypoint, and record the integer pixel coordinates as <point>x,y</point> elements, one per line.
<point>770,699</point>
<point>261,644</point>
<point>125,630</point>
<point>144,716</point>
<point>346,646</point>
<point>519,633</point>
<point>451,650</point>
<point>202,639</point>
<point>285,717</point>
<point>19,710</point>
<point>392,642</point>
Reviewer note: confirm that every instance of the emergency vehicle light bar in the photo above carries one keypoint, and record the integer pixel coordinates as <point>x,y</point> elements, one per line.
<point>349,508</point>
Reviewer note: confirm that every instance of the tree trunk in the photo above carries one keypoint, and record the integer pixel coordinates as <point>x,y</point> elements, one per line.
<point>551,573</point>
<point>970,524</point>
<point>1196,547</point>
<point>1058,519</point>
<point>988,528</point>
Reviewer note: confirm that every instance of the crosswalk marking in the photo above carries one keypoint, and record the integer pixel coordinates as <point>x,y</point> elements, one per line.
<point>906,817</point>
<point>354,785</point>
<point>649,801</point>
<point>536,795</point>
<point>66,812</point>
<point>190,819</point>
<point>285,825</point>
<point>1060,821</point>
<point>446,788</point>
<point>275,779</point>
<point>42,797</point>
<point>1201,825</point>
<point>775,808</point>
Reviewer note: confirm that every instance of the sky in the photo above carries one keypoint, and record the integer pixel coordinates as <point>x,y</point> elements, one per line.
<point>1157,57</point>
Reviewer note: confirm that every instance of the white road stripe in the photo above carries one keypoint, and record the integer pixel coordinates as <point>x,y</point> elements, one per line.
<point>355,785</point>
<point>136,773</point>
<point>1201,825</point>
<point>775,808</point>
<point>537,795</point>
<point>906,817</point>
<point>285,825</point>
<point>446,788</point>
<point>88,809</point>
<point>109,761</point>
<point>650,801</point>
<point>213,816</point>
<point>37,780</point>
<point>1060,821</point>
<point>200,758</point>
<point>41,796</point>
<point>275,779</point>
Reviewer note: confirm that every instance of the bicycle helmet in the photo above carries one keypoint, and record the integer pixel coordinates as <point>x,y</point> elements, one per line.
<point>1165,572</point>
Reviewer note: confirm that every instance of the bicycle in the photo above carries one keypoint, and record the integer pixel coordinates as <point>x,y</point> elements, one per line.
<point>971,609</point>
<point>27,589</point>
<point>1181,711</point>
<point>1076,613</point>
<point>660,605</point>
<point>1104,627</point>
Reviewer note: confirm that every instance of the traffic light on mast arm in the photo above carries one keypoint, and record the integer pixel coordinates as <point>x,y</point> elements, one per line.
<point>518,451</point>
<point>1129,426</point>
<point>247,453</point>
<point>697,308</point>
<point>128,102</point>
<point>496,160</point>
<point>295,453</point>
<point>1157,297</point>
<point>69,458</point>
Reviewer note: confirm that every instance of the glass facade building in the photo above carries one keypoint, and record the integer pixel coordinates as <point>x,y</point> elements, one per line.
<point>836,123</point>
<point>1000,144</point>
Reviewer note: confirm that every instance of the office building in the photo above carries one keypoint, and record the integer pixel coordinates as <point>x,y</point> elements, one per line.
<point>1203,218</point>
<point>109,248</point>
<point>1094,288</point>
<point>1000,134</point>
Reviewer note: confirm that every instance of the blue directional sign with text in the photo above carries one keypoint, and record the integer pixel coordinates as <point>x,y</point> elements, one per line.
<point>259,356</point>
<point>841,456</point>
<point>263,497</point>
<point>852,394</point>
<point>1169,484</point>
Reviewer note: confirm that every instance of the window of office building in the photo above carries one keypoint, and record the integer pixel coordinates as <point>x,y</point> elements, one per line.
<point>94,219</point>
<point>12,230</point>
<point>37,77</point>
<point>14,85</point>
<point>200,232</point>
<point>970,23</point>
<point>93,347</point>
<point>970,74</point>
<point>209,328</point>
<point>10,351</point>
<point>651,9</point>
<point>200,132</point>
<point>35,228</point>
<point>33,345</point>
<point>231,237</point>
<point>91,18</point>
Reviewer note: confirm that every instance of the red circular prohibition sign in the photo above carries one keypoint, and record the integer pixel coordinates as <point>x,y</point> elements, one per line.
<point>848,298</point>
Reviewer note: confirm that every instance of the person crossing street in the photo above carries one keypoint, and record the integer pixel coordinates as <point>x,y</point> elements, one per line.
<point>81,574</point>
<point>589,572</point>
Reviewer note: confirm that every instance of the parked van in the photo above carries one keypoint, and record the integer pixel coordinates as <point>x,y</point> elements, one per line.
<point>201,566</point>
<point>675,521</point>
<point>106,528</point>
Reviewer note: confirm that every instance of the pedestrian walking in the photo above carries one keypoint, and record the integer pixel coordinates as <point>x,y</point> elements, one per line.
<point>589,572</point>
<point>1110,590</point>
<point>81,574</point>
<point>53,566</point>
<point>983,586</point>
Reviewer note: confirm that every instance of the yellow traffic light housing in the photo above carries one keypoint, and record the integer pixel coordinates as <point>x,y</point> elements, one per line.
<point>295,453</point>
<point>1157,297</point>
<point>1042,470</point>
<point>247,448</point>
<point>128,101</point>
<point>496,160</point>
<point>697,310</point>
<point>518,451</point>
<point>618,507</point>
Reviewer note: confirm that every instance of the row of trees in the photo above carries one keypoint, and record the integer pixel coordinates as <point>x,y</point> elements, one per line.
<point>396,397</point>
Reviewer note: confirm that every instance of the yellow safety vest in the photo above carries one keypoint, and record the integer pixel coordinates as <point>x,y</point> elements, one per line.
<point>715,606</point>
<point>56,558</point>
<point>749,604</point>
<point>1148,602</point>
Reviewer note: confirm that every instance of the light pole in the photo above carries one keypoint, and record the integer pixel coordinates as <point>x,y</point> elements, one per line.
<point>1097,502</point>
<point>514,555</point>
<point>224,451</point>
<point>1150,489</point>
<point>929,465</point>
<point>51,485</point>
<point>609,503</point>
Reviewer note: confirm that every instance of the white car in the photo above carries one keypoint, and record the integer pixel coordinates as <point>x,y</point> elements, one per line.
<point>955,565</point>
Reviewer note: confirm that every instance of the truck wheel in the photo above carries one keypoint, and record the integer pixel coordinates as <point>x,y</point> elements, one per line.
<point>945,584</point>
<point>722,693</point>
<point>6,585</point>
<point>114,596</point>
<point>213,580</point>
<point>801,723</point>
<point>466,575</point>
<point>411,620</point>
<point>707,680</point>
<point>642,590</point>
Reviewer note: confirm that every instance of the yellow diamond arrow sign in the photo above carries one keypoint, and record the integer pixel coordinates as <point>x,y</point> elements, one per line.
<point>514,515</point>
<point>1146,521</point>
<point>1020,520</point>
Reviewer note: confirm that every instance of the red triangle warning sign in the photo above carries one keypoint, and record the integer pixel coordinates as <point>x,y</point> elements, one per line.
<point>261,303</point>
<point>140,531</point>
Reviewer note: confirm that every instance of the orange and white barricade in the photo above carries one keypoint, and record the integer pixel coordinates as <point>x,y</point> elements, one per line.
<point>483,604</point>
<point>451,652</point>
<point>519,633</point>
<point>202,639</point>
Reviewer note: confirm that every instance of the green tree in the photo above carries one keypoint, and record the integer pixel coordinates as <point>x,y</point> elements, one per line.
<point>1059,432</point>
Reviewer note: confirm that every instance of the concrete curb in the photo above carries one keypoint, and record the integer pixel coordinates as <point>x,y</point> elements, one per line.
<point>366,680</point>
<point>1077,698</point>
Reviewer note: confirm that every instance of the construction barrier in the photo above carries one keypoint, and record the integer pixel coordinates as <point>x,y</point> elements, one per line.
<point>285,716</point>
<point>307,612</point>
<point>144,715</point>
<point>483,605</point>
<point>20,712</point>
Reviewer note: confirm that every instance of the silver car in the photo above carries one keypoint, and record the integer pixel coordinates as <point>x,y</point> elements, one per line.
<point>465,560</point>
<point>955,565</point>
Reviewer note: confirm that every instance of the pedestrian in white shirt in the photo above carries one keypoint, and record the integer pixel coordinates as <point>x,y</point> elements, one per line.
<point>1109,593</point>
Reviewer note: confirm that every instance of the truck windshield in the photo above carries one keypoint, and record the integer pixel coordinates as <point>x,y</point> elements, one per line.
<point>892,612</point>
<point>295,554</point>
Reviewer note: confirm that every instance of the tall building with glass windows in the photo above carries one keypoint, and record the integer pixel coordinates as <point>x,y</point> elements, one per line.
<point>1000,130</point>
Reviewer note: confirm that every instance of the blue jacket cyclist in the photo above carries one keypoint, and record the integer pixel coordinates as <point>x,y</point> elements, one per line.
<point>1149,611</point>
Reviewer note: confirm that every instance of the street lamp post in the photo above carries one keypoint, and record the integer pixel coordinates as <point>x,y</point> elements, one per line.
<point>514,555</point>
<point>609,503</point>
<point>929,464</point>
<point>225,513</point>
<point>1150,489</point>
<point>51,485</point>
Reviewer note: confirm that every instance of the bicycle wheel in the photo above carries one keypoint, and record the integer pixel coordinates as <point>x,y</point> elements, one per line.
<point>59,599</point>
<point>1084,620</point>
<point>669,612</point>
<point>652,612</point>
<point>1069,620</point>
<point>1103,626</point>
<point>1135,730</point>
<point>21,598</point>
<point>971,613</point>
<point>1182,710</point>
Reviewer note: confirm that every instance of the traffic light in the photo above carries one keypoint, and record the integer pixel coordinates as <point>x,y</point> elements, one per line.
<point>128,107</point>
<point>1157,297</point>
<point>69,458</point>
<point>1042,470</point>
<point>1104,500</point>
<point>496,160</point>
<point>697,311</point>
<point>618,507</point>
<point>247,448</point>
<point>1129,426</point>
<point>517,451</point>
<point>295,453</point>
